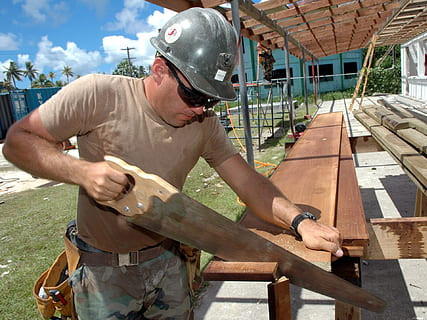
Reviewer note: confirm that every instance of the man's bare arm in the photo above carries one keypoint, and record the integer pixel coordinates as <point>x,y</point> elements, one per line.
<point>33,149</point>
<point>267,202</point>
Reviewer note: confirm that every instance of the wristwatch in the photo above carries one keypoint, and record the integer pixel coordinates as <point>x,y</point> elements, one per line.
<point>298,219</point>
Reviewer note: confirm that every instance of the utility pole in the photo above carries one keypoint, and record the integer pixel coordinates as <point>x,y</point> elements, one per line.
<point>129,61</point>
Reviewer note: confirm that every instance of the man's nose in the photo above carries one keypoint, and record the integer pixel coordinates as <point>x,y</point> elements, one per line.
<point>198,110</point>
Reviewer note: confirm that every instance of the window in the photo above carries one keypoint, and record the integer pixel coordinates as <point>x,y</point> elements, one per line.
<point>350,67</point>
<point>281,74</point>
<point>324,71</point>
<point>235,78</point>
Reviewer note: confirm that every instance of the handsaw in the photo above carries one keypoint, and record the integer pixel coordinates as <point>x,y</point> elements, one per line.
<point>154,204</point>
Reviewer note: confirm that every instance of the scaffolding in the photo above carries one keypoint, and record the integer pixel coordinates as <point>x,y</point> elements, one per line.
<point>268,109</point>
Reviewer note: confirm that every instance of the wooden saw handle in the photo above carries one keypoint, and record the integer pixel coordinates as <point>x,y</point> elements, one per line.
<point>143,187</point>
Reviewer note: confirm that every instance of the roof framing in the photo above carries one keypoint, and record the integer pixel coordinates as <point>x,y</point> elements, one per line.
<point>321,27</point>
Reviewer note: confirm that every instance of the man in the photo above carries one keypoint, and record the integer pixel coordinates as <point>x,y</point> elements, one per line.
<point>266,59</point>
<point>160,124</point>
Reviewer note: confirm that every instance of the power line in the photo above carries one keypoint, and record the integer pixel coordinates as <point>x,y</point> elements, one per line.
<point>129,60</point>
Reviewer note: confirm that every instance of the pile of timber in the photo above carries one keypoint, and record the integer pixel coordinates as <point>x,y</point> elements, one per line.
<point>401,134</point>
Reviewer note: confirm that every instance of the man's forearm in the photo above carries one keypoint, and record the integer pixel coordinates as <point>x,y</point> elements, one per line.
<point>40,157</point>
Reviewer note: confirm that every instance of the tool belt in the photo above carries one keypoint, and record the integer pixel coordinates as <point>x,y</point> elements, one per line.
<point>52,291</point>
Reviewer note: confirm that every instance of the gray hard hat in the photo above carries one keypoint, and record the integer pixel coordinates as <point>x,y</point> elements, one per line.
<point>202,45</point>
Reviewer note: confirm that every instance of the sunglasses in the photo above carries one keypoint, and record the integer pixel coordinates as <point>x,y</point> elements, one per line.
<point>191,97</point>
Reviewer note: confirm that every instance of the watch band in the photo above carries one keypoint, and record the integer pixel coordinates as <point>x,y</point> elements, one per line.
<point>298,219</point>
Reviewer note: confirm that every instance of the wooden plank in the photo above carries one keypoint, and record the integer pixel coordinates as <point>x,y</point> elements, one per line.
<point>154,204</point>
<point>308,176</point>
<point>396,108</point>
<point>415,138</point>
<point>394,122</point>
<point>279,300</point>
<point>386,117</point>
<point>393,143</point>
<point>309,173</point>
<point>418,125</point>
<point>365,119</point>
<point>241,271</point>
<point>418,166</point>
<point>350,218</point>
<point>399,238</point>
<point>344,311</point>
<point>420,204</point>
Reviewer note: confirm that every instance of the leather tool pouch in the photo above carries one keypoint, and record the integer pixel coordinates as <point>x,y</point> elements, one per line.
<point>52,290</point>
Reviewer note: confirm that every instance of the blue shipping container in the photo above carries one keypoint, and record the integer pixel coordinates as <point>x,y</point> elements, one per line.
<point>37,96</point>
<point>19,104</point>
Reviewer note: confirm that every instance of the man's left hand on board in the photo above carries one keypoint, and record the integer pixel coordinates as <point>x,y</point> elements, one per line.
<point>319,236</point>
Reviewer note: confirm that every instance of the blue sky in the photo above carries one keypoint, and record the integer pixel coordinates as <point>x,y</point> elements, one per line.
<point>87,35</point>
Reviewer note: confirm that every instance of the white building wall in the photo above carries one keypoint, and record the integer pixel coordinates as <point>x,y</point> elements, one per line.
<point>414,67</point>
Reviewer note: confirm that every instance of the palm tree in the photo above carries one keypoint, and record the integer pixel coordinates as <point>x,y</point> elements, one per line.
<point>30,72</point>
<point>13,73</point>
<point>51,76</point>
<point>67,72</point>
<point>40,82</point>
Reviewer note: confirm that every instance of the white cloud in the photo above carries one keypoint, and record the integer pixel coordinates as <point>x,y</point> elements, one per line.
<point>44,11</point>
<point>144,51</point>
<point>3,66</point>
<point>22,58</point>
<point>52,58</point>
<point>8,41</point>
<point>128,19</point>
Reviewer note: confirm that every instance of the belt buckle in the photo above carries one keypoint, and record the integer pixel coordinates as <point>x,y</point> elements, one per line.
<point>128,259</point>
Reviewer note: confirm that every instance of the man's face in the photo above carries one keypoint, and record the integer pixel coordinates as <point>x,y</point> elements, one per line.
<point>183,102</point>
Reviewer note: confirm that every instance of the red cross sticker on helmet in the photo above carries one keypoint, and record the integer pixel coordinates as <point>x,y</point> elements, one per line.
<point>173,33</point>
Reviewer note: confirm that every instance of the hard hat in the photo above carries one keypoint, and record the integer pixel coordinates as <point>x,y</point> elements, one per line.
<point>202,45</point>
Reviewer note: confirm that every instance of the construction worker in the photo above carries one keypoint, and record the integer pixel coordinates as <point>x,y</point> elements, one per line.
<point>266,59</point>
<point>161,124</point>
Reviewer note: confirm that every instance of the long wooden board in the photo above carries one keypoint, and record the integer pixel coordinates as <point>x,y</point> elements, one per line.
<point>308,176</point>
<point>350,216</point>
<point>154,204</point>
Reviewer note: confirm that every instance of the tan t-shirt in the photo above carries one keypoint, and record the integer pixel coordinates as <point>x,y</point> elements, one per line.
<point>111,116</point>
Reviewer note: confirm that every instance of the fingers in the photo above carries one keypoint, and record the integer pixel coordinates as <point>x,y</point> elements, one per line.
<point>103,183</point>
<point>318,236</point>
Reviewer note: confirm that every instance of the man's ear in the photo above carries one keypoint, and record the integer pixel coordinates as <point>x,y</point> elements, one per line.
<point>159,69</point>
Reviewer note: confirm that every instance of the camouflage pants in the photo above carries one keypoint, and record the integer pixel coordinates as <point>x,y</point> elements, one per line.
<point>155,289</point>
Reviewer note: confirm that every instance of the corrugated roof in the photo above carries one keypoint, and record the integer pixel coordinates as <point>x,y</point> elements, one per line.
<point>322,27</point>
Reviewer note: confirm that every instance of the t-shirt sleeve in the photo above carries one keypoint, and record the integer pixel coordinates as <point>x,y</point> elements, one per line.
<point>218,146</point>
<point>70,111</point>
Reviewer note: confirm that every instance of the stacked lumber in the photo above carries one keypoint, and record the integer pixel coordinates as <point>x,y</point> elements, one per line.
<point>401,134</point>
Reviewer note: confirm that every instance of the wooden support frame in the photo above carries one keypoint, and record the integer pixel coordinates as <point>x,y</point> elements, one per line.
<point>279,299</point>
<point>397,238</point>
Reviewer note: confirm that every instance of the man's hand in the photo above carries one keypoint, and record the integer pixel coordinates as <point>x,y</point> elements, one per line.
<point>318,236</point>
<point>102,182</point>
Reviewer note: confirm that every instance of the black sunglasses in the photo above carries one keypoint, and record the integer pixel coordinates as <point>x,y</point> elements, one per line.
<point>191,97</point>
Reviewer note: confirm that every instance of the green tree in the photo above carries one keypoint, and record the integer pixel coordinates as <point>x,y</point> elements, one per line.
<point>5,85</point>
<point>66,71</point>
<point>124,69</point>
<point>42,82</point>
<point>13,73</point>
<point>59,83</point>
<point>30,72</point>
<point>51,76</point>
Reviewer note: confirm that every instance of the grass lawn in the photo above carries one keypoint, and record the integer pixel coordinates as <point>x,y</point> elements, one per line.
<point>32,224</point>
